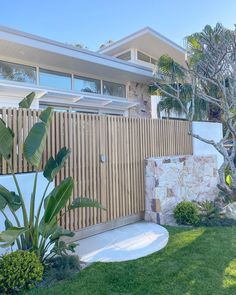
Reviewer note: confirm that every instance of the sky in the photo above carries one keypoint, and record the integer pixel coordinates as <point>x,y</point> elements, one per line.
<point>93,22</point>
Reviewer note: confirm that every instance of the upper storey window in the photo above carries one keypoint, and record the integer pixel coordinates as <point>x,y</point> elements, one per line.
<point>87,84</point>
<point>114,89</point>
<point>125,56</point>
<point>54,79</point>
<point>17,72</point>
<point>147,58</point>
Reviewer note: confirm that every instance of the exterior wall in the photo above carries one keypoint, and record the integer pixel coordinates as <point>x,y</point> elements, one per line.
<point>170,180</point>
<point>138,92</point>
<point>209,130</point>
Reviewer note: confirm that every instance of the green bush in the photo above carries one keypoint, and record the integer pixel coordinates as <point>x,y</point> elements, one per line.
<point>19,270</point>
<point>186,213</point>
<point>64,267</point>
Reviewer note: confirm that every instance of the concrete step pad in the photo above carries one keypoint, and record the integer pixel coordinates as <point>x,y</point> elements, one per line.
<point>124,243</point>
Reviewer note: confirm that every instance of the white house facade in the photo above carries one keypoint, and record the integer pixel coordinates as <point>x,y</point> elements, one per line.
<point>115,80</point>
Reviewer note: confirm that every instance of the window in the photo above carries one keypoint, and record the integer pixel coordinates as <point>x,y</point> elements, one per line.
<point>114,89</point>
<point>125,56</point>
<point>17,72</point>
<point>153,61</point>
<point>143,57</point>
<point>55,79</point>
<point>87,84</point>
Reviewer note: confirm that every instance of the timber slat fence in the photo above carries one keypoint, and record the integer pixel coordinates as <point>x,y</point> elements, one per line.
<point>121,142</point>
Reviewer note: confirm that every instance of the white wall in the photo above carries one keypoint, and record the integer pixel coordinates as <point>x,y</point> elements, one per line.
<point>208,130</point>
<point>26,181</point>
<point>155,99</point>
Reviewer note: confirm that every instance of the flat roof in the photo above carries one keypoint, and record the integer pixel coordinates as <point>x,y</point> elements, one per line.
<point>148,41</point>
<point>18,45</point>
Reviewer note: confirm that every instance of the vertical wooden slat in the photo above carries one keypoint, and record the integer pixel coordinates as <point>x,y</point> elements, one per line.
<point>118,183</point>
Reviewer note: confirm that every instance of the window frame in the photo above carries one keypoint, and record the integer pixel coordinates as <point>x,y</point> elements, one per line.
<point>24,66</point>
<point>88,79</point>
<point>58,73</point>
<point>123,53</point>
<point>120,84</point>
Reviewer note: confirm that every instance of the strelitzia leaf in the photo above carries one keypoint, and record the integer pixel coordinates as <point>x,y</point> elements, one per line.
<point>8,224</point>
<point>9,198</point>
<point>6,140</point>
<point>9,236</point>
<point>61,233</point>
<point>35,142</point>
<point>47,229</point>
<point>85,202</point>
<point>27,101</point>
<point>46,115</point>
<point>58,198</point>
<point>53,166</point>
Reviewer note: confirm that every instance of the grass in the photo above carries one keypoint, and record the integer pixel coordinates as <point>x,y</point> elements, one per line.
<point>199,261</point>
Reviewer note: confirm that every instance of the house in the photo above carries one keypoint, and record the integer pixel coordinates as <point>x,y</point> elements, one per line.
<point>115,80</point>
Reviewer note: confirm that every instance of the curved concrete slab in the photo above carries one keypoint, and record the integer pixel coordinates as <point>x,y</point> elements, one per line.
<point>124,243</point>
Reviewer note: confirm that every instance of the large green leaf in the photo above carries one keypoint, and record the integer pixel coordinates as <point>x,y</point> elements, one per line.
<point>46,115</point>
<point>47,229</point>
<point>85,202</point>
<point>9,198</point>
<point>9,236</point>
<point>27,101</point>
<point>6,140</point>
<point>58,198</point>
<point>53,166</point>
<point>8,224</point>
<point>35,142</point>
<point>61,233</point>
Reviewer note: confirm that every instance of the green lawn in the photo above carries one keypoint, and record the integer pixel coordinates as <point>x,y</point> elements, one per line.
<point>195,262</point>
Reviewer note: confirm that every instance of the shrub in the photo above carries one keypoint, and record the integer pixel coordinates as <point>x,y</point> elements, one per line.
<point>186,213</point>
<point>19,270</point>
<point>64,266</point>
<point>60,268</point>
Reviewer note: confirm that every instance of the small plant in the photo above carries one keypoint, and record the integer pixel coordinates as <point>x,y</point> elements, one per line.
<point>19,270</point>
<point>186,213</point>
<point>64,267</point>
<point>208,211</point>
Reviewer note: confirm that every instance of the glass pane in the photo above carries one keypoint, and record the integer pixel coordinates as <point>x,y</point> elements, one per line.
<point>87,85</point>
<point>143,57</point>
<point>17,72</point>
<point>114,89</point>
<point>55,79</point>
<point>125,55</point>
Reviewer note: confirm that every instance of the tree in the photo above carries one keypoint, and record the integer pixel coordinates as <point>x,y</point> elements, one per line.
<point>209,78</point>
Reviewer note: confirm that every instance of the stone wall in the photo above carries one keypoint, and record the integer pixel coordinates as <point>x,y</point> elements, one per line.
<point>170,180</point>
<point>138,92</point>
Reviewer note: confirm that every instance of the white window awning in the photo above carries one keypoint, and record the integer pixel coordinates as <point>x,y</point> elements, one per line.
<point>66,98</point>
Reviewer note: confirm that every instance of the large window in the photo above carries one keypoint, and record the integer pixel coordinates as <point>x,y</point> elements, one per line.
<point>55,80</point>
<point>144,57</point>
<point>17,72</point>
<point>87,84</point>
<point>114,89</point>
<point>125,56</point>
